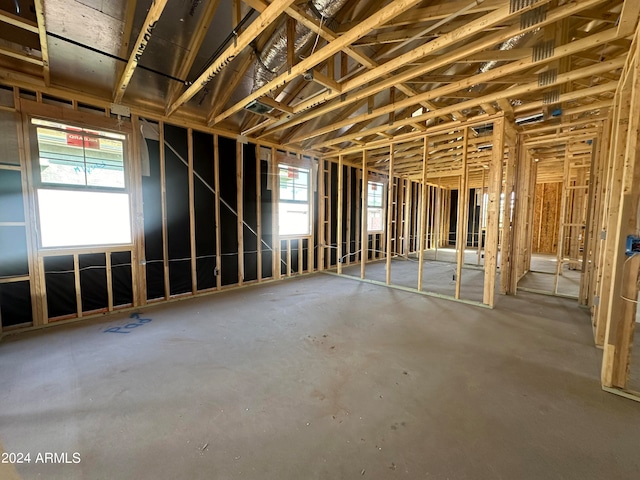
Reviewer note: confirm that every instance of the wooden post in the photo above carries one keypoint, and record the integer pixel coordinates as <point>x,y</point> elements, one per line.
<point>390,193</point>
<point>463,213</point>
<point>493,212</point>
<point>425,157</point>
<point>339,226</point>
<point>364,234</point>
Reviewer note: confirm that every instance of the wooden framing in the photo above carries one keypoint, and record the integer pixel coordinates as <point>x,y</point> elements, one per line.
<point>493,212</point>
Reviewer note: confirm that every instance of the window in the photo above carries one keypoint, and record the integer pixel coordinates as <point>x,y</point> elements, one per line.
<point>82,199</point>
<point>375,208</point>
<point>294,200</point>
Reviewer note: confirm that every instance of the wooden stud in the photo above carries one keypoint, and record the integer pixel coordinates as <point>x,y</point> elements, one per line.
<point>322,239</point>
<point>463,214</point>
<point>349,213</point>
<point>390,192</point>
<point>339,225</point>
<point>78,289</point>
<point>192,213</point>
<point>110,282</point>
<point>240,209</point>
<point>259,240</point>
<point>481,216</point>
<point>423,214</point>
<point>364,233</point>
<point>163,195</point>
<point>216,172</point>
<point>493,212</point>
<point>275,218</point>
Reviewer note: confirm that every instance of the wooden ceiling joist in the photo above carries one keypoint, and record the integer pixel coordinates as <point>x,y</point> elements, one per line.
<point>484,43</point>
<point>267,17</point>
<point>384,15</point>
<point>139,47</point>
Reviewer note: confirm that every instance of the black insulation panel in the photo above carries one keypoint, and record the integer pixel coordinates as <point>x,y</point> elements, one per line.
<point>266,212</point>
<point>294,256</point>
<point>177,208</point>
<point>453,218</point>
<point>93,281</point>
<point>152,210</point>
<point>60,284</point>
<point>228,210</point>
<point>15,303</point>
<point>204,209</point>
<point>121,278</point>
<point>250,212</point>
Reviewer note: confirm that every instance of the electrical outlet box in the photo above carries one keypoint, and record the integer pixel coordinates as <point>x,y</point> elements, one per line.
<point>633,245</point>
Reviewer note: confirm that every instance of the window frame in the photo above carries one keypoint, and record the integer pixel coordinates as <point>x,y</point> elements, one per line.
<point>82,123</point>
<point>295,163</point>
<point>382,207</point>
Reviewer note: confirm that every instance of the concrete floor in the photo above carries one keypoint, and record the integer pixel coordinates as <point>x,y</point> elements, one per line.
<point>319,378</point>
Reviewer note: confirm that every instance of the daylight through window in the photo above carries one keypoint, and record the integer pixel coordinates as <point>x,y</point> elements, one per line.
<point>294,200</point>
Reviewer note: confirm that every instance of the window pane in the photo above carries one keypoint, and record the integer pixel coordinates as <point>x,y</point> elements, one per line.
<point>294,218</point>
<point>79,218</point>
<point>374,195</point>
<point>61,160</point>
<point>294,201</point>
<point>74,156</point>
<point>374,219</point>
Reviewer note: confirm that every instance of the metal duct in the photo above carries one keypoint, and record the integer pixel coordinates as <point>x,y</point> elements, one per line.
<point>274,54</point>
<point>509,44</point>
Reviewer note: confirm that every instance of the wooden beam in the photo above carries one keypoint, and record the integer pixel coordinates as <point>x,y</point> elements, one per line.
<point>485,43</point>
<point>25,57</point>
<point>559,52</point>
<point>510,93</point>
<point>42,34</point>
<point>268,16</point>
<point>139,47</point>
<point>19,22</point>
<point>384,15</point>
